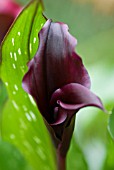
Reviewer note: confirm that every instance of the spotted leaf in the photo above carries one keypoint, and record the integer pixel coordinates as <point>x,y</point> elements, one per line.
<point>22,124</point>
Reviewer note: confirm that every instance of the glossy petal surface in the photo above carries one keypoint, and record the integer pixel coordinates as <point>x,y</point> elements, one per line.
<point>74,96</point>
<point>55,65</point>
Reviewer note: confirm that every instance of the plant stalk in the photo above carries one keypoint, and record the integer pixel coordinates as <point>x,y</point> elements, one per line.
<point>61,161</point>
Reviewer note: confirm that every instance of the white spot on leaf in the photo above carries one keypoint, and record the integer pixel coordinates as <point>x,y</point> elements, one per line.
<point>41,153</point>
<point>15,57</point>
<point>13,41</point>
<point>24,107</point>
<point>15,105</point>
<point>34,41</point>
<point>6,83</point>
<point>14,66</point>
<point>32,100</point>
<point>33,115</point>
<point>19,51</point>
<point>11,55</point>
<point>19,33</point>
<point>30,48</point>
<point>28,117</point>
<point>16,88</point>
<point>37,140</point>
<point>14,92</point>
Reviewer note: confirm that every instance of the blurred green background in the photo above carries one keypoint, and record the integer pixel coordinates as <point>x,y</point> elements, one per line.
<point>92,23</point>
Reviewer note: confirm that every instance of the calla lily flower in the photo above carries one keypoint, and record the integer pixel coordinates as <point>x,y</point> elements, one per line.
<point>8,11</point>
<point>59,83</point>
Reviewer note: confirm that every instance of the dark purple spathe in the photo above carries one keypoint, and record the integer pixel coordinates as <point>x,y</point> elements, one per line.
<point>59,82</point>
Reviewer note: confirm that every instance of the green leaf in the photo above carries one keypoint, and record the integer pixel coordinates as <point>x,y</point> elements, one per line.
<point>109,160</point>
<point>11,158</point>
<point>111,124</point>
<point>3,98</point>
<point>22,123</point>
<point>3,95</point>
<point>27,131</point>
<point>75,159</point>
